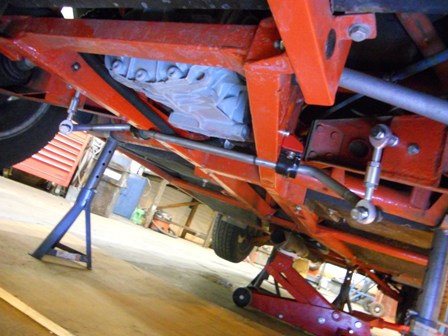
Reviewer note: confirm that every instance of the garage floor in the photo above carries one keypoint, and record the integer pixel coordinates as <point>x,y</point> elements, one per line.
<point>142,283</point>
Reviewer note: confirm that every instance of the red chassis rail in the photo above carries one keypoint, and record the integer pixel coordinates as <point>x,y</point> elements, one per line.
<point>54,45</point>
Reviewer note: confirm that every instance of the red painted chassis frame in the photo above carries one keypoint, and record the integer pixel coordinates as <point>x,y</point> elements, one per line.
<point>275,100</point>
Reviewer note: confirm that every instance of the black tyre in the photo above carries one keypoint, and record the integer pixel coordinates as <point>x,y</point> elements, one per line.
<point>231,242</point>
<point>242,297</point>
<point>25,128</point>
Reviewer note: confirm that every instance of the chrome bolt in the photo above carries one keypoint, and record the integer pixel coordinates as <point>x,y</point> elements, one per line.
<point>278,44</point>
<point>280,316</point>
<point>358,324</point>
<point>377,132</point>
<point>351,332</point>
<point>298,208</point>
<point>290,155</point>
<point>321,320</point>
<point>336,315</point>
<point>413,149</point>
<point>393,141</point>
<point>76,66</point>
<point>141,74</point>
<point>359,214</point>
<point>359,32</point>
<point>284,133</point>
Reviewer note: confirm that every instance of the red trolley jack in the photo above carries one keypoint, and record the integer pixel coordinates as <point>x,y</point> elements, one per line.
<point>309,310</point>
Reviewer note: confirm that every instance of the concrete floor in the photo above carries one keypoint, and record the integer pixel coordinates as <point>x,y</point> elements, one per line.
<point>142,282</point>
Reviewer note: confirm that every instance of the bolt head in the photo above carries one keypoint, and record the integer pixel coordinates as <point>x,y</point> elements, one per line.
<point>377,132</point>
<point>141,74</point>
<point>359,32</point>
<point>284,133</point>
<point>359,213</point>
<point>117,65</point>
<point>351,332</point>
<point>278,44</point>
<point>321,320</point>
<point>290,155</point>
<point>298,208</point>
<point>413,149</point>
<point>358,324</point>
<point>280,316</point>
<point>76,66</point>
<point>174,72</point>
<point>66,126</point>
<point>336,315</point>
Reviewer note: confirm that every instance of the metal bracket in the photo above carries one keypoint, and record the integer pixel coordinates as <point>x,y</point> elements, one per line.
<point>288,163</point>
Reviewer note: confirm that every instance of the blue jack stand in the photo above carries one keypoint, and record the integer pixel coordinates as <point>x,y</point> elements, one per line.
<point>83,202</point>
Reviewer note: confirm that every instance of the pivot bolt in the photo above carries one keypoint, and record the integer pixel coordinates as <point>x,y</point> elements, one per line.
<point>358,324</point>
<point>359,214</point>
<point>413,149</point>
<point>321,320</point>
<point>66,126</point>
<point>359,32</point>
<point>377,132</point>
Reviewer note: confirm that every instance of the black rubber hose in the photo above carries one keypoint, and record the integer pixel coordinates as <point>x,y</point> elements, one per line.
<point>128,94</point>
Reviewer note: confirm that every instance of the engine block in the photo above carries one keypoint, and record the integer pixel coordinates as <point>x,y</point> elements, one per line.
<point>206,100</point>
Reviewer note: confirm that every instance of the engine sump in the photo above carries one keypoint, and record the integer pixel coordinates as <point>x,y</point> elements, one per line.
<point>206,100</point>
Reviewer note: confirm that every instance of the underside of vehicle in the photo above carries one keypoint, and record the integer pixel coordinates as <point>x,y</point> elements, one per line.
<point>325,121</point>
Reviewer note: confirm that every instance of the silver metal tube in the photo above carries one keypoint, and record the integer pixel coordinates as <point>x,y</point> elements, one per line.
<point>318,174</point>
<point>396,95</point>
<point>102,128</point>
<point>247,158</point>
<point>430,299</point>
<point>331,183</point>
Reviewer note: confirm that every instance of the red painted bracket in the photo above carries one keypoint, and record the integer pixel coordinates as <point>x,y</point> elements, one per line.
<point>317,44</point>
<point>291,143</point>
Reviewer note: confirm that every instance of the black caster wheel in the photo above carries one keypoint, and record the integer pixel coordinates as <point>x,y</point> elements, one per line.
<point>242,297</point>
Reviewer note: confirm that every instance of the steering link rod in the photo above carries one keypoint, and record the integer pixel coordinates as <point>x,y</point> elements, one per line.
<point>380,137</point>
<point>302,169</point>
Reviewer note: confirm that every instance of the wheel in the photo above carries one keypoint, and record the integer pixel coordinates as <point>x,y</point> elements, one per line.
<point>25,128</point>
<point>376,309</point>
<point>231,242</point>
<point>242,297</point>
